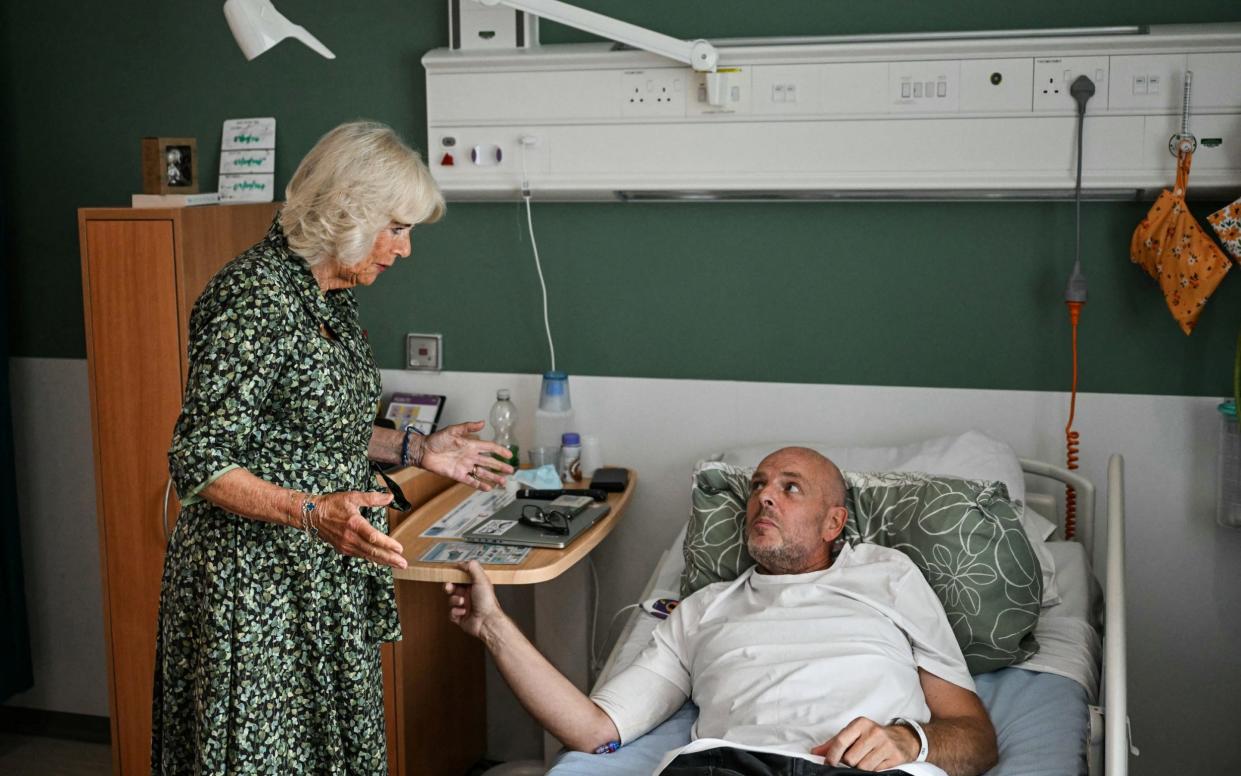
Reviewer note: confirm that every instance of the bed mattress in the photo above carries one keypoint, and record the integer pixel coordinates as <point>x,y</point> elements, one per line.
<point>1040,708</point>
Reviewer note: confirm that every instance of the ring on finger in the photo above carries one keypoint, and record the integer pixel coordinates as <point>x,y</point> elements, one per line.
<point>474,472</point>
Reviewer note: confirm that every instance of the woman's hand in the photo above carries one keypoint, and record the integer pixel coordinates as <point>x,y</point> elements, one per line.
<point>454,452</point>
<point>338,517</point>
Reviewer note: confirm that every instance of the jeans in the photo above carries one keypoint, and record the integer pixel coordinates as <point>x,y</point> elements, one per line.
<point>726,761</point>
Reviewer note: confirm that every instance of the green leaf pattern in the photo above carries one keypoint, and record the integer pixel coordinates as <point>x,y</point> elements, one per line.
<point>267,658</point>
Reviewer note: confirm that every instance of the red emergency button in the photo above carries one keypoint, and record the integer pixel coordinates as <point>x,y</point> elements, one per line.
<point>447,161</point>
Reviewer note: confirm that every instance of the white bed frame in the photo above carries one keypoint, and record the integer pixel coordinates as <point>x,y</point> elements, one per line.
<point>1109,746</point>
<point>1109,723</point>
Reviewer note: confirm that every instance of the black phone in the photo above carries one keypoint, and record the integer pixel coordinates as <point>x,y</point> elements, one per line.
<point>611,479</point>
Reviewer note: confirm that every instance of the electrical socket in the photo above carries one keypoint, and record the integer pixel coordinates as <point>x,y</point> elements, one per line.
<point>653,93</point>
<point>1054,75</point>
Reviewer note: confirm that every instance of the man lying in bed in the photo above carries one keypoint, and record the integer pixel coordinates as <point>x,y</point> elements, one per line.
<point>847,657</point>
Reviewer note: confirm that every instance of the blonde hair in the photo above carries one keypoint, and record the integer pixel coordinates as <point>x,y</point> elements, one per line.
<point>357,179</point>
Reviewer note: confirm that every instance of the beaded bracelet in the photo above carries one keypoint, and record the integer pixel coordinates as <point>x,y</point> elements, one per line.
<point>406,460</point>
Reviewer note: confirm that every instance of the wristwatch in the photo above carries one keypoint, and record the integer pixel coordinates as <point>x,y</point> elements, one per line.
<point>916,728</point>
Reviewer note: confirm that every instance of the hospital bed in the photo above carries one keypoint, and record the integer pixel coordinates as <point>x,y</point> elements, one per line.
<point>1061,712</point>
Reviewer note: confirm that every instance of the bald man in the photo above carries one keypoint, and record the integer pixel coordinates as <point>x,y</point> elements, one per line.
<point>808,663</point>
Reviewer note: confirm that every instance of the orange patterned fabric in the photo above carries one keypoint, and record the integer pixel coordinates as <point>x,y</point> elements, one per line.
<point>1227,224</point>
<point>1174,250</point>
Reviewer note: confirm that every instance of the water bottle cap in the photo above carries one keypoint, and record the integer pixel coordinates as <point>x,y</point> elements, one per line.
<point>1229,409</point>
<point>570,439</point>
<point>502,394</point>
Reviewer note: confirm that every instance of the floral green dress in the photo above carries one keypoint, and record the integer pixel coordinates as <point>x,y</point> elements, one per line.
<point>267,656</point>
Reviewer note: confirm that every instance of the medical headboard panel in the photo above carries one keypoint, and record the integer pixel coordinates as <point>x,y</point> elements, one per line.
<point>932,116</point>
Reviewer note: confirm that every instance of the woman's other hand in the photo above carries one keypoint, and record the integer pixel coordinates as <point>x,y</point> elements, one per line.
<point>341,524</point>
<point>454,452</point>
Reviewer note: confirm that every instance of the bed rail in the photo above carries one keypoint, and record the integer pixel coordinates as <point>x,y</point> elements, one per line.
<point>1085,497</point>
<point>1116,720</point>
<point>1116,741</point>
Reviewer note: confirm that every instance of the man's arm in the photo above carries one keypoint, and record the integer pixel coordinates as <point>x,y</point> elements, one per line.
<point>550,698</point>
<point>960,738</point>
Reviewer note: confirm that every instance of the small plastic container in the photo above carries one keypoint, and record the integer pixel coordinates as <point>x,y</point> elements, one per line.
<point>1228,506</point>
<point>570,458</point>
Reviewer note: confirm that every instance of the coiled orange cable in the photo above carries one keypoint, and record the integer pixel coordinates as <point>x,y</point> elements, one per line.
<point>1072,439</point>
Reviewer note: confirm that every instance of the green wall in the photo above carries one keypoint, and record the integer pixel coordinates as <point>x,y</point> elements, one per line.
<point>922,294</point>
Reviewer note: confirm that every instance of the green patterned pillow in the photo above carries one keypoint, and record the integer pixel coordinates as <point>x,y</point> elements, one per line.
<point>714,547</point>
<point>965,536</point>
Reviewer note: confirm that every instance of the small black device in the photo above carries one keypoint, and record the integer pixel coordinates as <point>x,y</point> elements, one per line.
<point>547,495</point>
<point>611,479</point>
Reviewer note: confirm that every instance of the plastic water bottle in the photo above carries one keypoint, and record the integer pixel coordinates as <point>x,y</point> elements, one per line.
<point>552,420</point>
<point>503,420</point>
<point>570,457</point>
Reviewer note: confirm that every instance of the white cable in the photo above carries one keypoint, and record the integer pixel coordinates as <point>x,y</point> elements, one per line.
<point>525,195</point>
<point>611,626</point>
<point>594,614</point>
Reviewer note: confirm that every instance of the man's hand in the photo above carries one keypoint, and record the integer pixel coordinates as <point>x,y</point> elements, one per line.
<point>473,606</point>
<point>866,745</point>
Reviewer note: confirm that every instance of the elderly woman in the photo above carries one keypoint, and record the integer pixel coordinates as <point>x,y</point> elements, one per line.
<point>277,589</point>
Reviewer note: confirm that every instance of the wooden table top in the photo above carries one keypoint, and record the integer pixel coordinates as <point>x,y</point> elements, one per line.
<point>539,566</point>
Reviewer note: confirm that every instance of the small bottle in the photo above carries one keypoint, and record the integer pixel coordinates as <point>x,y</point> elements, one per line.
<point>503,419</point>
<point>570,458</point>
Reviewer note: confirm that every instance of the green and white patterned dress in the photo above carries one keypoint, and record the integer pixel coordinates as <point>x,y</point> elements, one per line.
<point>267,657</point>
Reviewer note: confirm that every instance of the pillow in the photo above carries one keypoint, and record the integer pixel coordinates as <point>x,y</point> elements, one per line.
<point>964,535</point>
<point>972,455</point>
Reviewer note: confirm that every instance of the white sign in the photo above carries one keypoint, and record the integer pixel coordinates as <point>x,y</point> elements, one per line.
<point>248,160</point>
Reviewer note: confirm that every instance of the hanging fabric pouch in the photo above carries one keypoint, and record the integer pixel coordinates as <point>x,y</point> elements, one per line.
<point>1227,224</point>
<point>1174,250</point>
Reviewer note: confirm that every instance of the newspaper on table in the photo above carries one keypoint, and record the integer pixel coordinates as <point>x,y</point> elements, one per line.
<point>476,508</point>
<point>460,552</point>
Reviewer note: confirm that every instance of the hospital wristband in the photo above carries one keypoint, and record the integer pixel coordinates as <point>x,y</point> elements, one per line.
<point>923,748</point>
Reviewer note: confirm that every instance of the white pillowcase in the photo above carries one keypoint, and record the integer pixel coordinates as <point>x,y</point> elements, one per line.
<point>972,455</point>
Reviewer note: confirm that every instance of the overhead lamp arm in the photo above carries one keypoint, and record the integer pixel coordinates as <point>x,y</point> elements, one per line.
<point>698,54</point>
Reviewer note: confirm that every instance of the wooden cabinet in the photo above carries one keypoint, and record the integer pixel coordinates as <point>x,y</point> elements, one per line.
<point>141,272</point>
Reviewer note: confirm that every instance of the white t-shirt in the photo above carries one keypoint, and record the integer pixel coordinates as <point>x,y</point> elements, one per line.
<point>787,661</point>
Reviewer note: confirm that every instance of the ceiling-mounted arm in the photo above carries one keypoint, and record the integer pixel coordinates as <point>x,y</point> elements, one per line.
<point>698,54</point>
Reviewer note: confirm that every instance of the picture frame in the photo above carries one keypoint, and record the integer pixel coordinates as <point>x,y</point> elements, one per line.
<point>169,165</point>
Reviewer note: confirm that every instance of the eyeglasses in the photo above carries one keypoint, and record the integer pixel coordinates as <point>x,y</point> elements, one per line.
<point>553,522</point>
<point>399,502</point>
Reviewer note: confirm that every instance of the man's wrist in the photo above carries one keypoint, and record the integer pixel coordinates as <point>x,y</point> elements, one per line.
<point>494,631</point>
<point>917,745</point>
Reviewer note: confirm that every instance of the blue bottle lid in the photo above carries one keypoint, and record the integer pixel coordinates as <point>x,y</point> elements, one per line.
<point>1229,409</point>
<point>554,383</point>
<point>570,439</point>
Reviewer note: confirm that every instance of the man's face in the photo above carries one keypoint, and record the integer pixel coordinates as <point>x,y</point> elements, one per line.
<point>792,516</point>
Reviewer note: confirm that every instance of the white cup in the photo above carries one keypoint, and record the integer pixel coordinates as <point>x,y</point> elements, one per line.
<point>592,458</point>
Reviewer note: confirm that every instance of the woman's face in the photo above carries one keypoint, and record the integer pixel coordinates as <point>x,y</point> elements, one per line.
<point>391,244</point>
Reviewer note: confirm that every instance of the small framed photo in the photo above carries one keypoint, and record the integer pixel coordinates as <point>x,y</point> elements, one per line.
<point>169,165</point>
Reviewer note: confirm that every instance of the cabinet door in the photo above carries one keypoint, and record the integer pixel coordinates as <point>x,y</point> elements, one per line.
<point>135,381</point>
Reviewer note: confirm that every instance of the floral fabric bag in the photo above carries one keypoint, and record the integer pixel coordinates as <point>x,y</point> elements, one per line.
<point>1174,250</point>
<point>1227,224</point>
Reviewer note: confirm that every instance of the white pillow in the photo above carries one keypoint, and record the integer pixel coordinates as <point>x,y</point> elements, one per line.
<point>972,455</point>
